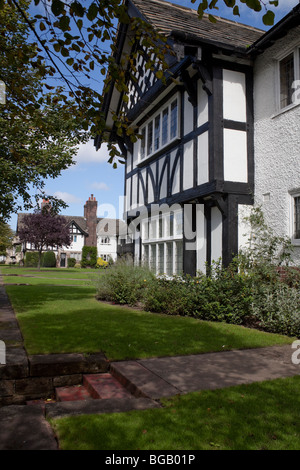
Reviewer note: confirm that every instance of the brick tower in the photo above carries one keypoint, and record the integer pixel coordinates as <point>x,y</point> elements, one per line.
<point>90,214</point>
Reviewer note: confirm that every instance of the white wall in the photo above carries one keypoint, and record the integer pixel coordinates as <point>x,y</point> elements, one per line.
<point>277,141</point>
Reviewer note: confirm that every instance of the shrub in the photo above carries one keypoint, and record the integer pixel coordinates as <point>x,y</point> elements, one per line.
<point>277,309</point>
<point>123,282</point>
<point>49,259</point>
<point>89,257</point>
<point>223,296</point>
<point>101,263</point>
<point>71,262</point>
<point>31,259</point>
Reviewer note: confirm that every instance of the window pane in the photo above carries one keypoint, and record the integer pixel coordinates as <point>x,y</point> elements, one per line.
<point>297,217</point>
<point>178,223</point>
<point>153,229</point>
<point>153,258</point>
<point>169,264</point>
<point>145,233</point>
<point>161,258</point>
<point>157,133</point>
<point>171,224</point>
<point>160,227</point>
<point>179,257</point>
<point>287,77</point>
<point>143,143</point>
<point>150,138</point>
<point>146,255</point>
<point>165,125</point>
<point>174,119</point>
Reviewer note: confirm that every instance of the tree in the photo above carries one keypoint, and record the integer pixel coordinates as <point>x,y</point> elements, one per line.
<point>6,237</point>
<point>39,130</point>
<point>75,38</point>
<point>39,133</point>
<point>44,230</point>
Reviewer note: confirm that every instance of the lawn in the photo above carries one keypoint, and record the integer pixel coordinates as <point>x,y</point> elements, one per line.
<point>60,318</point>
<point>259,416</point>
<point>64,319</point>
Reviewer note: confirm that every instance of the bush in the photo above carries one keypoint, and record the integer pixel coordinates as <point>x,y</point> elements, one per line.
<point>89,257</point>
<point>258,289</point>
<point>223,296</point>
<point>101,263</point>
<point>277,309</point>
<point>71,262</point>
<point>123,282</point>
<point>49,259</point>
<point>31,259</point>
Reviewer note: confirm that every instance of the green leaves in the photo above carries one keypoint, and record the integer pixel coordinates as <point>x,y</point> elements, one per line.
<point>268,18</point>
<point>257,5</point>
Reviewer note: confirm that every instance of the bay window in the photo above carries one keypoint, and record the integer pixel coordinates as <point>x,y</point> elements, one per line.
<point>162,243</point>
<point>160,130</point>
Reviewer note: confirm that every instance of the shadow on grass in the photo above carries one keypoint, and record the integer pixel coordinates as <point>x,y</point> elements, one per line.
<point>30,297</point>
<point>263,416</point>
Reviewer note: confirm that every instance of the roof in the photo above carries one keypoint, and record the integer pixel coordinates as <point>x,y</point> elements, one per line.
<point>111,227</point>
<point>105,226</point>
<point>167,17</point>
<point>279,30</point>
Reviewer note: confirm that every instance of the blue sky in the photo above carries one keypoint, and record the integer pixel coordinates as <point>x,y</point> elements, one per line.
<point>93,175</point>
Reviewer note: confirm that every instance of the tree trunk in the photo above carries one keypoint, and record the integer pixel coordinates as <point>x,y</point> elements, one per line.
<point>39,261</point>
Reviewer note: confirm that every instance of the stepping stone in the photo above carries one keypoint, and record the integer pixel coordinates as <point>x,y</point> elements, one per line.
<point>74,393</point>
<point>105,386</point>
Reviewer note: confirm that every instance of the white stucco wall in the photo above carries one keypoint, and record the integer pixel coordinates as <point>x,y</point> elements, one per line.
<point>277,141</point>
<point>108,249</point>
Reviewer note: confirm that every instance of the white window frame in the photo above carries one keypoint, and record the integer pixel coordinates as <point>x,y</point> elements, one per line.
<point>294,194</point>
<point>150,239</point>
<point>150,121</point>
<point>295,50</point>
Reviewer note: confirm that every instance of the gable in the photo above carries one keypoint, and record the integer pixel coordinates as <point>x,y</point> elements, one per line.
<point>186,35</point>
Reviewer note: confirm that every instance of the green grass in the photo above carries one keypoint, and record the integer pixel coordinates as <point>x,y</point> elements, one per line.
<point>259,416</point>
<point>64,319</point>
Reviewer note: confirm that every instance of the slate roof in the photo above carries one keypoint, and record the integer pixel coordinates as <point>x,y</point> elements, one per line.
<point>167,17</point>
<point>111,227</point>
<point>105,226</point>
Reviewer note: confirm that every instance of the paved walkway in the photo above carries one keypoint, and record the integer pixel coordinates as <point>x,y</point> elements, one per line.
<point>25,427</point>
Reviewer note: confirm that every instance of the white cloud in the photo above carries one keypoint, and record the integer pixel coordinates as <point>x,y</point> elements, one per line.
<point>101,186</point>
<point>88,154</point>
<point>67,197</point>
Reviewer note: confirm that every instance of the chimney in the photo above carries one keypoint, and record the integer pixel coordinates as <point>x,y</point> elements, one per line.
<point>45,205</point>
<point>90,214</point>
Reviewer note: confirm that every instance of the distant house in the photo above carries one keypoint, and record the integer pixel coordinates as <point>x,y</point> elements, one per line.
<point>219,135</point>
<point>108,235</point>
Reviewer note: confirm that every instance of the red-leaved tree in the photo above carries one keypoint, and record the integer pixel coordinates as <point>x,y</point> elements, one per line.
<point>44,230</point>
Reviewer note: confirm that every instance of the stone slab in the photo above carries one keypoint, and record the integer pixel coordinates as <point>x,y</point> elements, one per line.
<point>141,380</point>
<point>225,369</point>
<point>114,405</point>
<point>65,364</point>
<point>16,364</point>
<point>25,428</point>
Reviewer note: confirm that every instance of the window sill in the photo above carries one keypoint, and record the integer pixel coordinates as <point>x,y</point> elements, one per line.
<point>295,241</point>
<point>158,152</point>
<point>285,110</point>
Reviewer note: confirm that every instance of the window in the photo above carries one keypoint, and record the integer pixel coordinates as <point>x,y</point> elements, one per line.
<point>297,217</point>
<point>162,244</point>
<point>289,75</point>
<point>160,130</point>
<point>105,240</point>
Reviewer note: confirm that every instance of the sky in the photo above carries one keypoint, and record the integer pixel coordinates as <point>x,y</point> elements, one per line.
<point>91,174</point>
